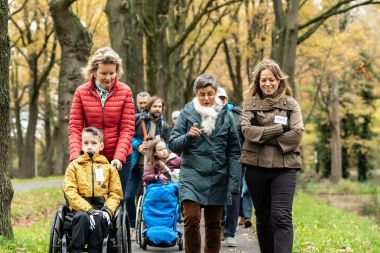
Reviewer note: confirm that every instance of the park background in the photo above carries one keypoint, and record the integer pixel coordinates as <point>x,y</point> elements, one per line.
<point>329,49</point>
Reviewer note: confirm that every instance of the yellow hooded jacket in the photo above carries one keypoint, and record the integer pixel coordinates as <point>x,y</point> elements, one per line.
<point>80,184</point>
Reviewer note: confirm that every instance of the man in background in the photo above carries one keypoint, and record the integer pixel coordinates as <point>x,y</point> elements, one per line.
<point>141,101</point>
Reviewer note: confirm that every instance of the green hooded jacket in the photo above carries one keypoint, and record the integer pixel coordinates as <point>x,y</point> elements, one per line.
<point>210,170</point>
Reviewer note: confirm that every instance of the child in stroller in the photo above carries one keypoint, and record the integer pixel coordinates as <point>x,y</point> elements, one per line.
<point>159,206</point>
<point>161,165</point>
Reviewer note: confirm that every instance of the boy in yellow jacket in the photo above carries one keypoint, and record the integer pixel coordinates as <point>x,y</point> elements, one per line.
<point>93,189</point>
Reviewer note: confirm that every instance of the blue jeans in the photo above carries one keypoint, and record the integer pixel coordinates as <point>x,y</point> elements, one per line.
<point>124,174</point>
<point>246,204</point>
<point>134,178</point>
<point>232,215</point>
<point>246,201</point>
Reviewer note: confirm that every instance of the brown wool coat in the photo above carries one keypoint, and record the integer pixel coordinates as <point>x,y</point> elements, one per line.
<point>266,145</point>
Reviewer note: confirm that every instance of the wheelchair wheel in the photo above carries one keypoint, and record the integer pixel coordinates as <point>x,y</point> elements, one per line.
<point>138,221</point>
<point>123,237</point>
<point>55,231</point>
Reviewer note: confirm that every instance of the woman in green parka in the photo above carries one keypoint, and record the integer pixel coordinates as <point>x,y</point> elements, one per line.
<point>205,136</point>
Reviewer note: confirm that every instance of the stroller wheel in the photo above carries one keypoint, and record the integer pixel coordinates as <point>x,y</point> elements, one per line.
<point>145,243</point>
<point>180,244</point>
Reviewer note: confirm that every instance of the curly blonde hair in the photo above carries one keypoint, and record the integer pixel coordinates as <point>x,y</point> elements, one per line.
<point>104,55</point>
<point>283,88</point>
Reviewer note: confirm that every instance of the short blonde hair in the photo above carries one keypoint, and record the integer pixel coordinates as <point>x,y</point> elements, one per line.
<point>284,87</point>
<point>94,131</point>
<point>104,55</point>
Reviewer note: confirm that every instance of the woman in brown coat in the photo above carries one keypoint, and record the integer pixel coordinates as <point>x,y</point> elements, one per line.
<point>272,126</point>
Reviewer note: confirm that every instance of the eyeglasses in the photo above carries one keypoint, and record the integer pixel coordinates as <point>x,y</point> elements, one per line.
<point>204,95</point>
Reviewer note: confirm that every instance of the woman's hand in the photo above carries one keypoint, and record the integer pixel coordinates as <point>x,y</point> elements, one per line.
<point>195,131</point>
<point>116,163</point>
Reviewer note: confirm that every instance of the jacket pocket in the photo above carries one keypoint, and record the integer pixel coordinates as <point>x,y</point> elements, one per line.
<point>293,160</point>
<point>250,153</point>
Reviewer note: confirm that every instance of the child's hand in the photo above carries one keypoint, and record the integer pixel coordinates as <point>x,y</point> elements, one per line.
<point>107,217</point>
<point>163,178</point>
<point>92,222</point>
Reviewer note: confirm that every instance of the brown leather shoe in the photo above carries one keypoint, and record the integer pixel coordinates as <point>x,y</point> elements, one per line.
<point>242,221</point>
<point>247,223</point>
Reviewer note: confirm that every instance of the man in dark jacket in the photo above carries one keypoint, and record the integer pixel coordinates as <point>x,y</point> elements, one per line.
<point>231,211</point>
<point>148,126</point>
<point>141,101</point>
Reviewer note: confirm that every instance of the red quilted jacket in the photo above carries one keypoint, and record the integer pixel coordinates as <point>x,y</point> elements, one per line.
<point>116,119</point>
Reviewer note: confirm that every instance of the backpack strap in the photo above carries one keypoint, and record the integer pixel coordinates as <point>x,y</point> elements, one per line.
<point>144,129</point>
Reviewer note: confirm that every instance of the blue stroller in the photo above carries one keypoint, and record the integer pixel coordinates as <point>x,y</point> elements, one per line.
<point>157,216</point>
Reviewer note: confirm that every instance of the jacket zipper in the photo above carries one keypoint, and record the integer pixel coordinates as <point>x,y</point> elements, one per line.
<point>101,105</point>
<point>92,175</point>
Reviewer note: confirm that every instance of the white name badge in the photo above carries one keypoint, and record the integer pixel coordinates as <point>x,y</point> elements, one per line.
<point>99,175</point>
<point>280,120</point>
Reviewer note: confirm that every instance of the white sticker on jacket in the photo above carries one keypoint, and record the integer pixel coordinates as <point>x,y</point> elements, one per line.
<point>280,120</point>
<point>99,175</point>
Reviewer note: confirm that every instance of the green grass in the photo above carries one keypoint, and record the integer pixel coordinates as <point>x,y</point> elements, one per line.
<point>321,228</point>
<point>35,179</point>
<point>32,239</point>
<point>36,202</point>
<point>309,184</point>
<point>39,203</point>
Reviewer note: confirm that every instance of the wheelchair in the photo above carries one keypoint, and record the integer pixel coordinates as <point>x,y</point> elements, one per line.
<point>146,219</point>
<point>118,239</point>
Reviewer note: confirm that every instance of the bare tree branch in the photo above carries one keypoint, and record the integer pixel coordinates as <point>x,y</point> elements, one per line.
<point>196,20</point>
<point>302,4</point>
<point>46,42</point>
<point>334,10</point>
<point>21,31</point>
<point>200,46</point>
<point>195,40</point>
<point>212,56</point>
<point>50,65</point>
<point>19,9</point>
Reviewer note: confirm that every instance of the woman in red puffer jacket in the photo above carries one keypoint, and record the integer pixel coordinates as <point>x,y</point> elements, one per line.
<point>105,103</point>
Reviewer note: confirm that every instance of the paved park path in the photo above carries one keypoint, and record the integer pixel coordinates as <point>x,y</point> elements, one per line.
<point>246,239</point>
<point>29,186</point>
<point>247,242</point>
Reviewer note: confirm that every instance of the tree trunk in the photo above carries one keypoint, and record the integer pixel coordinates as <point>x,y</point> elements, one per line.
<point>17,99</point>
<point>50,135</point>
<point>127,39</point>
<point>257,31</point>
<point>76,43</point>
<point>6,190</point>
<point>28,161</point>
<point>336,148</point>
<point>284,38</point>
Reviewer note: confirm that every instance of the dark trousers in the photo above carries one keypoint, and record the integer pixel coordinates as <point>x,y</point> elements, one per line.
<point>124,174</point>
<point>272,192</point>
<point>212,216</point>
<point>82,234</point>
<point>134,178</point>
<point>231,217</point>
